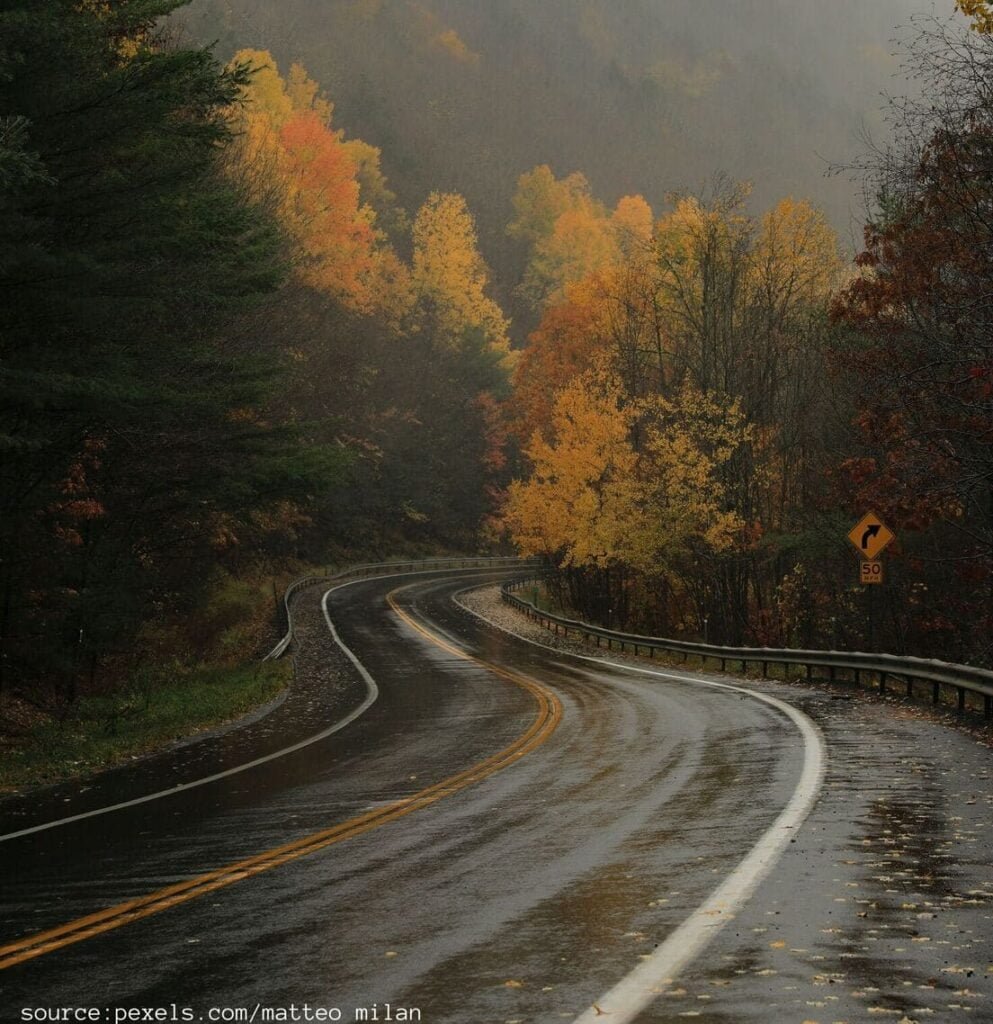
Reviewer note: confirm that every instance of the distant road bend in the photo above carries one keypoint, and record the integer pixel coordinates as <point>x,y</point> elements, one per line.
<point>445,822</point>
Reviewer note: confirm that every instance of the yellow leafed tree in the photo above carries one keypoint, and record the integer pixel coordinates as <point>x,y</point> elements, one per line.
<point>541,199</point>
<point>267,94</point>
<point>633,223</point>
<point>795,258</point>
<point>682,499</point>
<point>594,500</point>
<point>450,277</point>
<point>304,94</point>
<point>578,502</point>
<point>980,12</point>
<point>571,234</point>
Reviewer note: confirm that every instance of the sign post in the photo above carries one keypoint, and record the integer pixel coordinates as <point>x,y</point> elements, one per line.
<point>870,537</point>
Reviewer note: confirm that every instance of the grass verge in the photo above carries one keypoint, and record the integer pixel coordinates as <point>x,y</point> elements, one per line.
<point>100,732</point>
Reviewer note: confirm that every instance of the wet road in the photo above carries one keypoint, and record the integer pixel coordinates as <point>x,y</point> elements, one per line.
<point>529,888</point>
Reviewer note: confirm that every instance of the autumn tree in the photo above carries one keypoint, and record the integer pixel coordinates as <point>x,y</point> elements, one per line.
<point>586,273</point>
<point>450,278</point>
<point>571,234</point>
<point>324,190</point>
<point>923,351</point>
<point>601,506</point>
<point>685,507</point>
<point>980,12</point>
<point>578,502</point>
<point>578,505</point>
<point>563,346</point>
<point>541,199</point>
<point>707,309</point>
<point>398,364</point>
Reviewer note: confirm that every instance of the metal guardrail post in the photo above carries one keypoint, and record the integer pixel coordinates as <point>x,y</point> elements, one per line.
<point>964,679</point>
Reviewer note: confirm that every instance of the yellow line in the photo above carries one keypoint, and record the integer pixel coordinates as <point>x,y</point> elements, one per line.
<point>546,721</point>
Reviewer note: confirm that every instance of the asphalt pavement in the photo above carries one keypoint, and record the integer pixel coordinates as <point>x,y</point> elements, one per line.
<point>513,834</point>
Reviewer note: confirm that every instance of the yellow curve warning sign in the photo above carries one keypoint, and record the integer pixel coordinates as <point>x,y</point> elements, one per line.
<point>870,536</point>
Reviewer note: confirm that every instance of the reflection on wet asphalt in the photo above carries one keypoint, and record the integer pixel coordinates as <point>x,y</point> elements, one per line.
<point>884,910</point>
<point>527,896</point>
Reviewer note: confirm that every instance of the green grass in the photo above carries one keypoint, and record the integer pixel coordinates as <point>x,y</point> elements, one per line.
<point>150,714</point>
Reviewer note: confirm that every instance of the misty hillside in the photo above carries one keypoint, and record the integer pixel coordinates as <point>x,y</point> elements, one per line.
<point>642,96</point>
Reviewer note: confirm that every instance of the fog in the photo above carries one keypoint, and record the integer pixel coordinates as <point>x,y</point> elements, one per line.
<point>642,96</point>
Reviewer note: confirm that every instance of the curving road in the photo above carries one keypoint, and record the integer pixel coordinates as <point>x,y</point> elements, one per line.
<point>509,833</point>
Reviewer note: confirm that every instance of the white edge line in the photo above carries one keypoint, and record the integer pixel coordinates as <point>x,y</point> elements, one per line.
<point>650,979</point>
<point>372,692</point>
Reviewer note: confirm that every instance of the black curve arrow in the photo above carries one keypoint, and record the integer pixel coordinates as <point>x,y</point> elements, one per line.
<point>870,532</point>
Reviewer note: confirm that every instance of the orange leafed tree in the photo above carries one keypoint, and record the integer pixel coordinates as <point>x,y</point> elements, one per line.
<point>586,262</point>
<point>291,158</point>
<point>560,349</point>
<point>632,221</point>
<point>323,208</point>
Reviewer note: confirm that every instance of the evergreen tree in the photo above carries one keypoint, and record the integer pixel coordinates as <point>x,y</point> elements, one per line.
<point>133,424</point>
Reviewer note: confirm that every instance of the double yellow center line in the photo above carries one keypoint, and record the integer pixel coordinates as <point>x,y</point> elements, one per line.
<point>548,716</point>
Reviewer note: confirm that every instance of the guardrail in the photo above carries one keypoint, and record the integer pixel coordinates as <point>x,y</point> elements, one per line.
<point>939,675</point>
<point>382,569</point>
